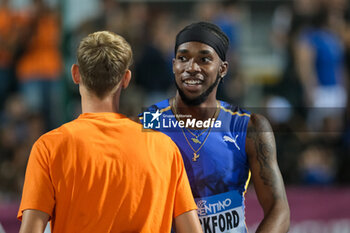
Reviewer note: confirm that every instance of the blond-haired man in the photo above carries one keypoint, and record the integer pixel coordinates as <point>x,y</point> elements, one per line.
<point>101,172</point>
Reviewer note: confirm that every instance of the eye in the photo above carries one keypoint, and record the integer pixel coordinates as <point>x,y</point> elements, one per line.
<point>206,59</point>
<point>182,58</point>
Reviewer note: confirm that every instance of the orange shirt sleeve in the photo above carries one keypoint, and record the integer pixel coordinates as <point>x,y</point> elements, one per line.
<point>38,190</point>
<point>184,201</point>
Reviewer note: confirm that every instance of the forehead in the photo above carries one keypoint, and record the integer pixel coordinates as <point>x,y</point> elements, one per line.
<point>195,47</point>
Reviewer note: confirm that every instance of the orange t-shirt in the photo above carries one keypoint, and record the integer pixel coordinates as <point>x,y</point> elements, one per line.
<point>102,173</point>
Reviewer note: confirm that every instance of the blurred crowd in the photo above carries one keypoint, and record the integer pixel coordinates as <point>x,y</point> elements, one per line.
<point>313,39</point>
<point>306,101</point>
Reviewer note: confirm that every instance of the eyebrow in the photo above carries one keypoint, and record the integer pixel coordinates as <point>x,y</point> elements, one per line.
<point>204,51</point>
<point>182,51</point>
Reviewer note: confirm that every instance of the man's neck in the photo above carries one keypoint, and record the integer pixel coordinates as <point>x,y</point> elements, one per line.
<point>91,103</point>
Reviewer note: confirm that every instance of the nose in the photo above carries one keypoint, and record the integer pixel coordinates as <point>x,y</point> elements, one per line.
<point>192,66</point>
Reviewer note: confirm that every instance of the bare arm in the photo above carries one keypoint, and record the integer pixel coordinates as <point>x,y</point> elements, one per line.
<point>266,176</point>
<point>188,223</point>
<point>33,221</point>
<point>304,62</point>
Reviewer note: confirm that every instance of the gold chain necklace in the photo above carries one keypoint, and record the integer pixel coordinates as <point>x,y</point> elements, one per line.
<point>195,152</point>
<point>195,139</point>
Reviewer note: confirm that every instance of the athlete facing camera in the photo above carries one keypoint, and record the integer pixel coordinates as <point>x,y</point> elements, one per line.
<point>222,145</point>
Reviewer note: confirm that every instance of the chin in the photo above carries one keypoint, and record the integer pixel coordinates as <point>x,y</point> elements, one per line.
<point>193,100</point>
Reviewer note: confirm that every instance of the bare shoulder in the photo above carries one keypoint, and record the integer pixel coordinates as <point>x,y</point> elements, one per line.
<point>258,124</point>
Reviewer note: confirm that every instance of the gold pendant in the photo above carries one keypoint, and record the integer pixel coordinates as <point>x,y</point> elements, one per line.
<point>195,157</point>
<point>195,140</point>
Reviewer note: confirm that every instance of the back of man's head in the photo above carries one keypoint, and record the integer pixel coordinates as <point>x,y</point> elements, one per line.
<point>103,58</point>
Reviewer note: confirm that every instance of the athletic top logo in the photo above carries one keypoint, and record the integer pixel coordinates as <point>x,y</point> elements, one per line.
<point>234,141</point>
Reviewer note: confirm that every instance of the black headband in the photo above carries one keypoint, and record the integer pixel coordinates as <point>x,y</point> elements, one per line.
<point>202,35</point>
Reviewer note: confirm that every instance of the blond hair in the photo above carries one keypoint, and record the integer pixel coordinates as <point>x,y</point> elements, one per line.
<point>103,58</point>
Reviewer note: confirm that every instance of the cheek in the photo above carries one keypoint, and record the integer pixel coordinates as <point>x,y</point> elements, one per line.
<point>213,70</point>
<point>177,68</point>
<point>177,72</point>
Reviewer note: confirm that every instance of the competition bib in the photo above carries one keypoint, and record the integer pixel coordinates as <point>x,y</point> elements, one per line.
<point>221,213</point>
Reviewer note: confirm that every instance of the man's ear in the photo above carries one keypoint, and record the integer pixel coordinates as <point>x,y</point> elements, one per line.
<point>223,69</point>
<point>126,79</point>
<point>173,65</point>
<point>75,74</point>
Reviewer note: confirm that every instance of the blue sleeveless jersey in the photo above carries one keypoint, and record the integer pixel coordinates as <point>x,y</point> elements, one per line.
<point>220,175</point>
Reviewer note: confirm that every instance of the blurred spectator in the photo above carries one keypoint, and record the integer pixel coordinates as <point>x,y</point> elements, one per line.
<point>318,165</point>
<point>320,63</point>
<point>288,22</point>
<point>40,65</point>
